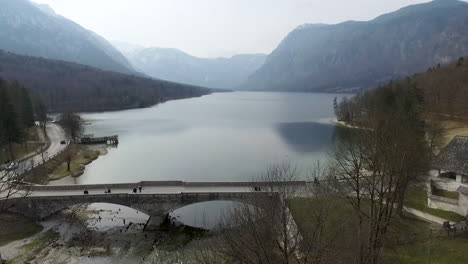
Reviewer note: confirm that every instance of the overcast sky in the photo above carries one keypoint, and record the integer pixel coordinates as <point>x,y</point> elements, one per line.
<point>210,28</point>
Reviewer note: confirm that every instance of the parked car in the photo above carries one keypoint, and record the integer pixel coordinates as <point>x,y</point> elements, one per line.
<point>12,166</point>
<point>63,142</point>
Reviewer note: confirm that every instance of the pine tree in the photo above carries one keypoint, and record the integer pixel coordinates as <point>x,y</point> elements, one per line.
<point>41,113</point>
<point>335,106</point>
<point>27,111</point>
<point>9,125</point>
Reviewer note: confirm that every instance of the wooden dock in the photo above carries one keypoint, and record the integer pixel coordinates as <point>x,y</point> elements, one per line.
<point>110,140</point>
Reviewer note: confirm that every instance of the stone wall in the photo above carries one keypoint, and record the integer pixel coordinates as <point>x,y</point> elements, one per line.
<point>463,204</point>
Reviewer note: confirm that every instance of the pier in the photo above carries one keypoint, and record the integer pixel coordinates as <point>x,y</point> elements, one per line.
<point>109,140</point>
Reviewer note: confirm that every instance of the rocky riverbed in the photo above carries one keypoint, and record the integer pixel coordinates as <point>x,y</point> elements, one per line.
<point>103,233</point>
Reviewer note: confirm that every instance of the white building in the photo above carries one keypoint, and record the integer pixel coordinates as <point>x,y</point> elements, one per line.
<point>449,178</point>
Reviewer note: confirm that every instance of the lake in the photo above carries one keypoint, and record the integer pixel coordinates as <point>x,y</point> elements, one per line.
<point>219,137</point>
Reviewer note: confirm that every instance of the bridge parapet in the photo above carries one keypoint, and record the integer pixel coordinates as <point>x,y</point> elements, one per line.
<point>156,184</point>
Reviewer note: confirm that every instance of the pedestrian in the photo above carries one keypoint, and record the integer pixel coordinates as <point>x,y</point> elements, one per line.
<point>139,187</point>
<point>108,190</point>
<point>124,221</point>
<point>105,191</point>
<point>134,190</point>
<point>85,191</point>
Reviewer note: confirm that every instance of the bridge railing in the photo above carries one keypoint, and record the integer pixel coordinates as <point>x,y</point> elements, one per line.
<point>156,184</point>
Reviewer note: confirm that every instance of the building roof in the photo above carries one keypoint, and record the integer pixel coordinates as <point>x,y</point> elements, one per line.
<point>454,157</point>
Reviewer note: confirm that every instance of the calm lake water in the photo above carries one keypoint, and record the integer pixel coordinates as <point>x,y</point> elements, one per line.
<point>219,137</point>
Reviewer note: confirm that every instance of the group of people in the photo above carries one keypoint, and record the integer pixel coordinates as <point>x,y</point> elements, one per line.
<point>106,191</point>
<point>135,190</point>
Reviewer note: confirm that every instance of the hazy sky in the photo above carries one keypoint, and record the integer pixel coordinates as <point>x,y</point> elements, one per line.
<point>210,28</point>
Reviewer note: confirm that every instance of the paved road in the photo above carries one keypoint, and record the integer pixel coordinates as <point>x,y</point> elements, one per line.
<point>145,190</point>
<point>55,134</point>
<point>151,188</point>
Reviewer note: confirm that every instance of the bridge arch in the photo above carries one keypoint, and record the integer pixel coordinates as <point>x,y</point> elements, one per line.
<point>154,205</point>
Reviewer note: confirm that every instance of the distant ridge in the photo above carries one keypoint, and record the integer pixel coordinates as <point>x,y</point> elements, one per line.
<point>35,29</point>
<point>176,65</point>
<point>357,55</point>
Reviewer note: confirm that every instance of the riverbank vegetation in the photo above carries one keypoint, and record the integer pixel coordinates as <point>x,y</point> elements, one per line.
<point>76,159</point>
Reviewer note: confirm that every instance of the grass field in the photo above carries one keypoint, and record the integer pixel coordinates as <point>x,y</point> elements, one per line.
<point>80,158</point>
<point>455,128</point>
<point>14,227</point>
<point>410,240</point>
<point>446,194</point>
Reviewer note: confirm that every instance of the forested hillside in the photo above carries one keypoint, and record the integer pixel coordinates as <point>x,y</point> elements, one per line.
<point>443,91</point>
<point>70,86</point>
<point>440,96</point>
<point>19,109</point>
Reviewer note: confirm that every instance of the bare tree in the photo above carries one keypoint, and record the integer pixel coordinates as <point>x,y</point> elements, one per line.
<point>12,186</point>
<point>72,124</point>
<point>372,171</point>
<point>263,230</point>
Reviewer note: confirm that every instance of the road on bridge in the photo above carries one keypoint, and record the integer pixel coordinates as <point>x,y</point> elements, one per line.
<point>175,187</point>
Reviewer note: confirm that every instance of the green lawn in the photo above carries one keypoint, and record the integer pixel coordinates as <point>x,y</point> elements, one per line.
<point>432,249</point>
<point>416,197</point>
<point>446,194</point>
<point>409,239</point>
<point>83,157</point>
<point>16,227</point>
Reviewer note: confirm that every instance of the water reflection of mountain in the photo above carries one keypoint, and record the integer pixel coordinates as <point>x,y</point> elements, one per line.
<point>307,137</point>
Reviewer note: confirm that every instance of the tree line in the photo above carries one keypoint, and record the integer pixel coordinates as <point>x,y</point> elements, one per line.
<point>19,109</point>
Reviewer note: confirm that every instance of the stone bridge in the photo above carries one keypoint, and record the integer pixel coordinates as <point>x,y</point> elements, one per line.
<point>156,198</point>
<point>154,205</point>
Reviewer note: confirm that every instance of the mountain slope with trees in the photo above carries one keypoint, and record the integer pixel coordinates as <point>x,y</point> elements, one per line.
<point>69,86</point>
<point>175,65</point>
<point>355,55</point>
<point>441,92</point>
<point>32,29</point>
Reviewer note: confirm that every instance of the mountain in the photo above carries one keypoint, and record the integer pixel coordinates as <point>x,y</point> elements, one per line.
<point>34,29</point>
<point>175,65</point>
<point>355,55</point>
<point>65,85</point>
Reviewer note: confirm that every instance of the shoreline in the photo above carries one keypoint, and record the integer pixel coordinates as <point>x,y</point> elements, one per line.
<point>72,178</point>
